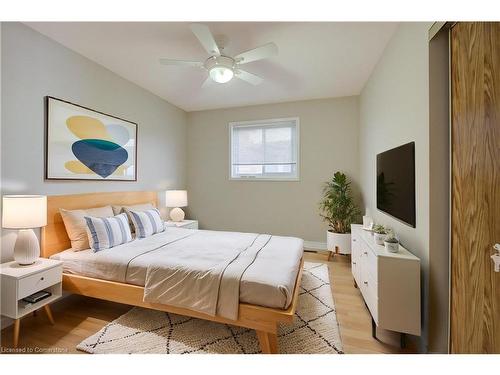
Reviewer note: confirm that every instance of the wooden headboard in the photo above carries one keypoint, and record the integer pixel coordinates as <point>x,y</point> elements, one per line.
<point>54,238</point>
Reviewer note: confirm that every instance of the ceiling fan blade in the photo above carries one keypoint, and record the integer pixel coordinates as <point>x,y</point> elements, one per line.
<point>181,62</point>
<point>202,32</point>
<point>249,77</point>
<point>259,53</point>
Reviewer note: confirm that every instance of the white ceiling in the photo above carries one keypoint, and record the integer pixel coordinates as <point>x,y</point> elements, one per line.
<point>315,60</point>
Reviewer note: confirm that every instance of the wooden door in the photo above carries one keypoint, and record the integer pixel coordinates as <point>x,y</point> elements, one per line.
<point>475,216</point>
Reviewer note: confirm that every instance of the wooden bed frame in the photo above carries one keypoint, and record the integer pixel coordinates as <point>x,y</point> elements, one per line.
<point>54,239</point>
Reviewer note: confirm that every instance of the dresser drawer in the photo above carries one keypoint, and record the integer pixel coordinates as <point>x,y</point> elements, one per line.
<point>370,261</point>
<point>355,246</point>
<point>31,284</point>
<point>356,270</point>
<point>372,303</point>
<point>370,294</point>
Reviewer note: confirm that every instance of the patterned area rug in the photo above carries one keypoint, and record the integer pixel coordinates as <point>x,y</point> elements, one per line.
<point>315,328</point>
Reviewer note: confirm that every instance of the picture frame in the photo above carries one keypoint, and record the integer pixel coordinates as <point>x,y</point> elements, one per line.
<point>85,144</point>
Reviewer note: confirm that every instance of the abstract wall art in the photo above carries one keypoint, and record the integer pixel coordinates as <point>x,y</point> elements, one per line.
<point>84,144</point>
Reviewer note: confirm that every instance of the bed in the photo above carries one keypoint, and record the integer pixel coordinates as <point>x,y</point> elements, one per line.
<point>268,288</point>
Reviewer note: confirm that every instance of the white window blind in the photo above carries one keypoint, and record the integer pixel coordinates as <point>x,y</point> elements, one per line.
<point>265,149</point>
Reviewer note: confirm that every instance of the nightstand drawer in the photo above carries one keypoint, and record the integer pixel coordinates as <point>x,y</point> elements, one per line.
<point>31,284</point>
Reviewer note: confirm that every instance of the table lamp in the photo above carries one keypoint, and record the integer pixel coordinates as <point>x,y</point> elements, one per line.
<point>176,199</point>
<point>25,212</point>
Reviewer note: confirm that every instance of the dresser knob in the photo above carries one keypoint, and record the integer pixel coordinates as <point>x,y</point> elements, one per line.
<point>353,240</point>
<point>41,278</point>
<point>354,263</point>
<point>365,282</point>
<point>365,252</point>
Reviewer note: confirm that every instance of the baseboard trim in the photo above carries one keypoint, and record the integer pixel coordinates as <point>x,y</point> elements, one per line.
<point>314,245</point>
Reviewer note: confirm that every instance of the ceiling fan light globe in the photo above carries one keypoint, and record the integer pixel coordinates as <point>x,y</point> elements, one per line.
<point>221,74</point>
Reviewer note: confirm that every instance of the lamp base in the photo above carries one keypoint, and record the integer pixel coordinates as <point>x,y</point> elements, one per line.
<point>27,248</point>
<point>177,214</point>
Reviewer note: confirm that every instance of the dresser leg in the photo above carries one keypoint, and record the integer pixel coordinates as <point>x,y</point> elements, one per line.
<point>49,314</point>
<point>374,330</point>
<point>17,325</point>
<point>403,341</point>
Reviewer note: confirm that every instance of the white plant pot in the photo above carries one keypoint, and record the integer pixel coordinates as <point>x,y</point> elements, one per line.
<point>342,241</point>
<point>379,238</point>
<point>392,247</point>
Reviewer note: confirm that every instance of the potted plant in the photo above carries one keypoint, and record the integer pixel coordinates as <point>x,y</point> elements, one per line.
<point>379,233</point>
<point>391,242</point>
<point>339,210</point>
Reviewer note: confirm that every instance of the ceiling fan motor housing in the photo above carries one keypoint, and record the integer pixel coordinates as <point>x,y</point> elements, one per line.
<point>221,60</point>
<point>221,68</point>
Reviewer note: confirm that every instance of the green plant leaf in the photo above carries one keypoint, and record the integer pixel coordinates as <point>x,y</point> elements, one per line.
<point>337,206</point>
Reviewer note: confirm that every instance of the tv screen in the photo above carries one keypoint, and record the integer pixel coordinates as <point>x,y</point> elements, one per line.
<point>396,182</point>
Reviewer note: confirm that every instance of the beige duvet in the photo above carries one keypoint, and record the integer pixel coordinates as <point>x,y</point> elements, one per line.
<point>206,271</point>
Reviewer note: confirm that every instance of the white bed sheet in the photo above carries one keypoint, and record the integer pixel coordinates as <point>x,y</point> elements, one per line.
<point>269,281</point>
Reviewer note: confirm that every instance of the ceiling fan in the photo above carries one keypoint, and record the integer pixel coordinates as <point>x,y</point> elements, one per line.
<point>222,68</point>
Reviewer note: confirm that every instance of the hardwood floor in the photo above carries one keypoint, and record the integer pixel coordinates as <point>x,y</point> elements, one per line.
<point>78,317</point>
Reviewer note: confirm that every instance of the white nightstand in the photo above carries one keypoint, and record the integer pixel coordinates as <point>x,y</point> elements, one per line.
<point>187,224</point>
<point>19,282</point>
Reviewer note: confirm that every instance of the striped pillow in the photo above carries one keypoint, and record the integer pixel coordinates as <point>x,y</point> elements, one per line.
<point>107,232</point>
<point>147,222</point>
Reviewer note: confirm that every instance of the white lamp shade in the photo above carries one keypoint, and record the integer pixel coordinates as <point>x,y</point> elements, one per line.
<point>176,198</point>
<point>24,211</point>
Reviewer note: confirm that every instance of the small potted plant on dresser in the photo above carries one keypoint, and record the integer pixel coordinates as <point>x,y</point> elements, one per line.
<point>379,233</point>
<point>339,210</point>
<point>391,242</point>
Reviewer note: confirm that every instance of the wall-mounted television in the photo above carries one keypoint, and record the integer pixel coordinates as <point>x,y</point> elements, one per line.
<point>396,182</point>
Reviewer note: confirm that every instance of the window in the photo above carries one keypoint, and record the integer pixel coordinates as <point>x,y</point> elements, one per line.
<point>266,149</point>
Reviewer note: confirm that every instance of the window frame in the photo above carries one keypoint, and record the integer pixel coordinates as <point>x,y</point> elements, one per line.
<point>268,177</point>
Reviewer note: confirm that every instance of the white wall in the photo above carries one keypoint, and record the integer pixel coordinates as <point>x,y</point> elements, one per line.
<point>328,143</point>
<point>394,109</point>
<point>34,66</point>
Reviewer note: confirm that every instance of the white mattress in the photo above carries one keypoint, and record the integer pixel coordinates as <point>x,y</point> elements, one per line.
<point>269,281</point>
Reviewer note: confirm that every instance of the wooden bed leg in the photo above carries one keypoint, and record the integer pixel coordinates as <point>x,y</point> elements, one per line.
<point>268,342</point>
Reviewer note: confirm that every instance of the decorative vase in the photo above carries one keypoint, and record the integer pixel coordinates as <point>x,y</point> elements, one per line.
<point>177,214</point>
<point>379,238</point>
<point>26,248</point>
<point>391,247</point>
<point>342,241</point>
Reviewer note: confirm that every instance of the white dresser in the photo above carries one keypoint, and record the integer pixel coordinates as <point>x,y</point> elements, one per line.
<point>389,283</point>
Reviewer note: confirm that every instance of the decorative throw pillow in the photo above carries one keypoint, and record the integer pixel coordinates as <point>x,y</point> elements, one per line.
<point>147,222</point>
<point>76,228</point>
<point>135,207</point>
<point>107,232</point>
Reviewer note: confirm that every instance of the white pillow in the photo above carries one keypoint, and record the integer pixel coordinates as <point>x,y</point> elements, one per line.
<point>107,232</point>
<point>76,228</point>
<point>135,207</point>
<point>147,222</point>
